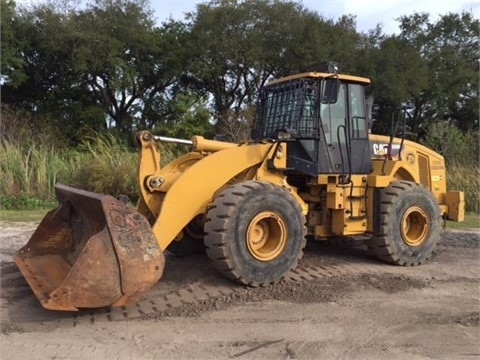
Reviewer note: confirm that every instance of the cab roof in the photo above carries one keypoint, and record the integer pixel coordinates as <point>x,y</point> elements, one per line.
<point>349,78</point>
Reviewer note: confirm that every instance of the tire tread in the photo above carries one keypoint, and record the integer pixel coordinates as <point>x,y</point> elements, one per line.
<point>381,244</point>
<point>220,217</point>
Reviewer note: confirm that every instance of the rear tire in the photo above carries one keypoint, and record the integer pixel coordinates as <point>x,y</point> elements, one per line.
<point>255,233</point>
<point>409,226</point>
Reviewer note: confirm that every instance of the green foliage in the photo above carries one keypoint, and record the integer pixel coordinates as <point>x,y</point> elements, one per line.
<point>461,152</point>
<point>89,68</point>
<point>107,65</point>
<point>102,164</point>
<point>52,88</point>
<point>12,62</point>
<point>105,165</point>
<point>466,178</point>
<point>30,164</point>
<point>453,144</point>
<point>432,66</point>
<point>189,116</point>
<point>30,171</point>
<point>453,56</point>
<point>22,128</point>
<point>237,46</point>
<point>401,73</point>
<point>24,202</point>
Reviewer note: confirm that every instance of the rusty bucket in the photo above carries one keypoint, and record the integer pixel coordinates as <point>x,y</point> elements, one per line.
<point>91,251</point>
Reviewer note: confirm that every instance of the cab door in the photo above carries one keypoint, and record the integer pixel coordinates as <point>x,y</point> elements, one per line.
<point>343,146</point>
<point>358,130</point>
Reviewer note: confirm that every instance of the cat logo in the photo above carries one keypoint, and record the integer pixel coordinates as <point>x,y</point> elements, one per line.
<point>381,149</point>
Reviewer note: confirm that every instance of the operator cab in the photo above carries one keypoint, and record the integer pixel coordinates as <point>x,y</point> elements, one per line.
<point>323,116</point>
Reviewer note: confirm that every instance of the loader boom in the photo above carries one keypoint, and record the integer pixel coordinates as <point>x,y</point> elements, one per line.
<point>183,190</point>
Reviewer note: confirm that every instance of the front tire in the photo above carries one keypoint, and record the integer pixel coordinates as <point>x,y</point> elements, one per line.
<point>255,233</point>
<point>409,226</point>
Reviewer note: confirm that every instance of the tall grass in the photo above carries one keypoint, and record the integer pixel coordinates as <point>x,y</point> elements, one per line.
<point>27,174</point>
<point>102,164</point>
<point>465,177</point>
<point>105,165</point>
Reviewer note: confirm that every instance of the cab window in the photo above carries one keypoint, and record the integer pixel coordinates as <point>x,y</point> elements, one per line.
<point>358,120</point>
<point>333,117</point>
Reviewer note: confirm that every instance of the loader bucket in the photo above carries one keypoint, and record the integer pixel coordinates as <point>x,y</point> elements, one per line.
<point>91,251</point>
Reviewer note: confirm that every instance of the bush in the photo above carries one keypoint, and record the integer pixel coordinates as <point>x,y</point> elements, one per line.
<point>24,202</point>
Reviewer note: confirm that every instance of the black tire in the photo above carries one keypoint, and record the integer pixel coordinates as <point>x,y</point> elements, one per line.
<point>410,224</point>
<point>255,233</point>
<point>192,241</point>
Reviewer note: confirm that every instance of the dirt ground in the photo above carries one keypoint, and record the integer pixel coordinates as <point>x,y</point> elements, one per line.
<point>341,303</point>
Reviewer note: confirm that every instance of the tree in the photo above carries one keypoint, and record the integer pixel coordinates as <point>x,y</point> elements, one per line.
<point>455,53</point>
<point>48,88</point>
<point>107,65</point>
<point>400,78</point>
<point>456,146</point>
<point>237,46</point>
<point>122,59</point>
<point>12,63</point>
<point>98,67</point>
<point>431,67</point>
<point>188,115</point>
<point>225,55</point>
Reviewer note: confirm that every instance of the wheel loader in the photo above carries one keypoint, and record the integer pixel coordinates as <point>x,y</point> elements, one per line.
<point>311,170</point>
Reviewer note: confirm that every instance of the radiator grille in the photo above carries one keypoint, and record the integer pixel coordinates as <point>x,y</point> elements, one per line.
<point>424,170</point>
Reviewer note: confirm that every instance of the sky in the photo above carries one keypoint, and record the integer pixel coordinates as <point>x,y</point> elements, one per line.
<point>368,13</point>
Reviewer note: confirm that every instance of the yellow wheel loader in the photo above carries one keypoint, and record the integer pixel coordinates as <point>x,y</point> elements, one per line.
<point>311,170</point>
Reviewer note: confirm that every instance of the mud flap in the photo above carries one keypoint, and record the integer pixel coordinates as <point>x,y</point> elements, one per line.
<point>91,251</point>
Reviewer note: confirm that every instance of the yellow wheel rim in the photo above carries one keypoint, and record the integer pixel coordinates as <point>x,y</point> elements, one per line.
<point>415,226</point>
<point>266,236</point>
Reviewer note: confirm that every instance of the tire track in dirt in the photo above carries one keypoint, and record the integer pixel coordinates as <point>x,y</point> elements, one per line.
<point>157,302</point>
<point>186,287</point>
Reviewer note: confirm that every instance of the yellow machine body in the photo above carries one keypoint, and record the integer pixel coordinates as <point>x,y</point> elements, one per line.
<point>188,185</point>
<point>416,163</point>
